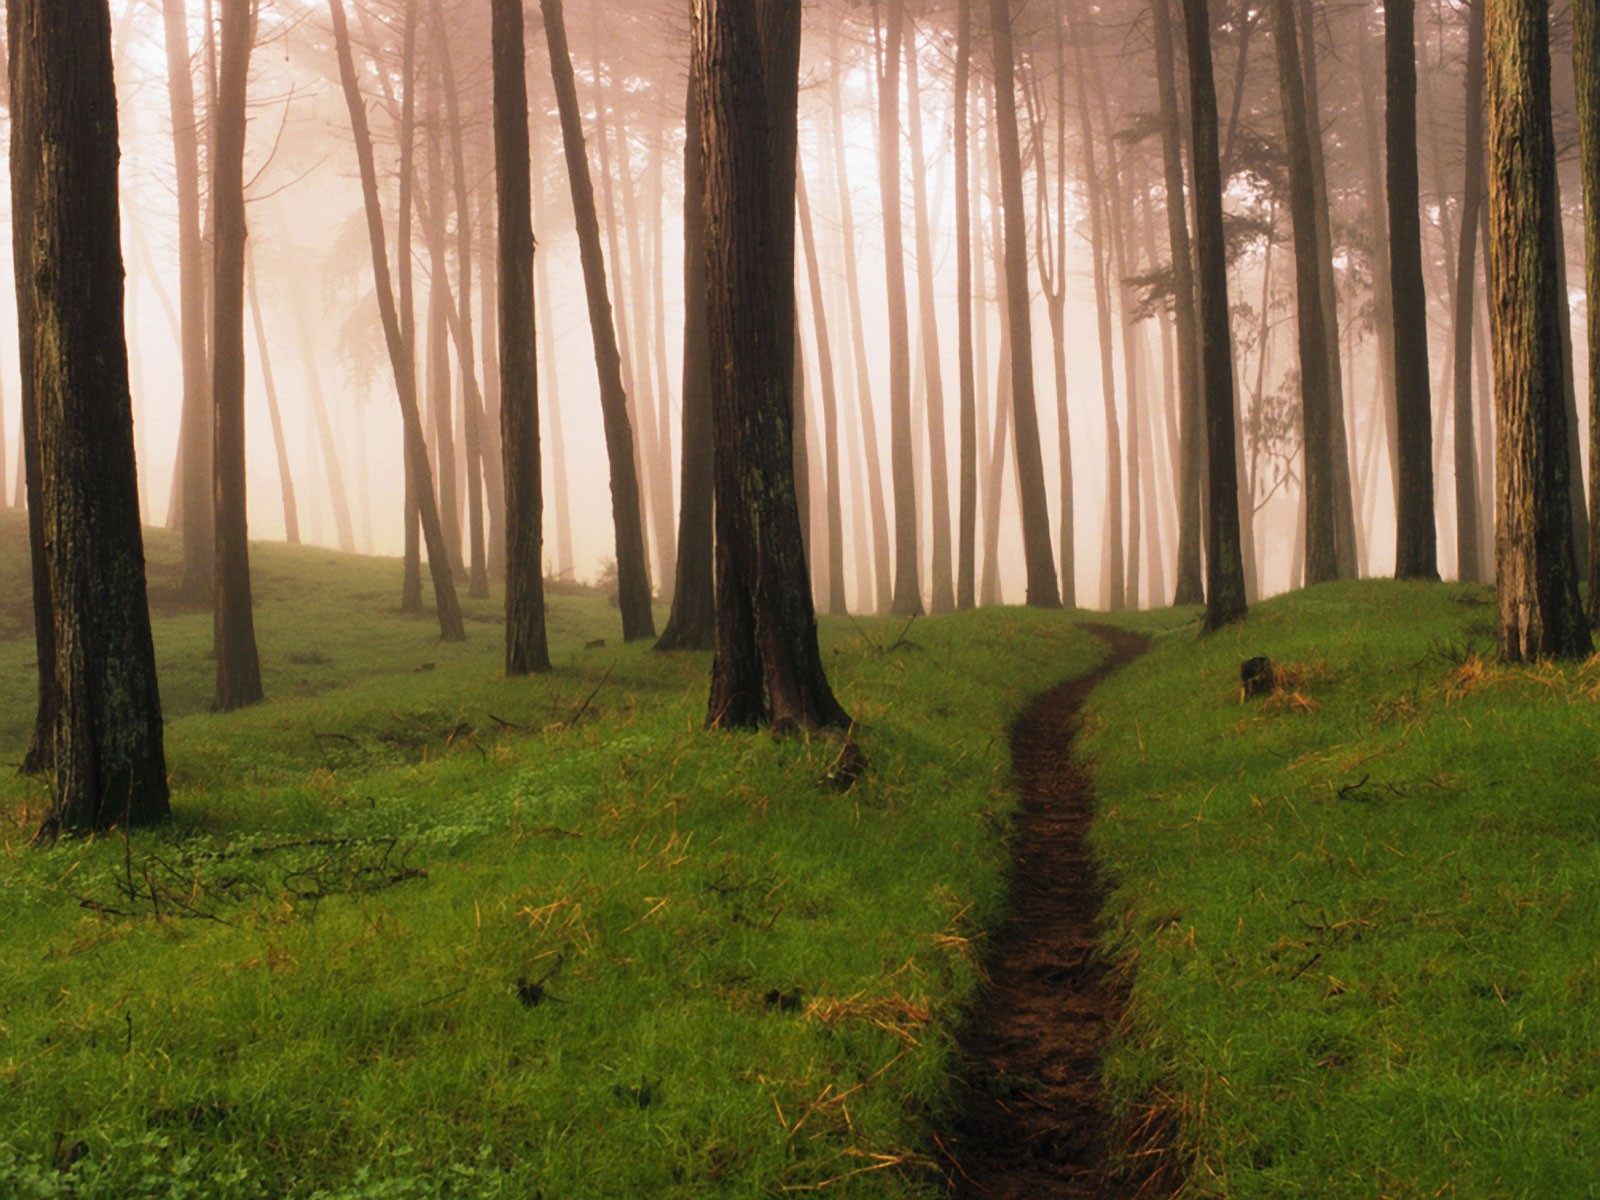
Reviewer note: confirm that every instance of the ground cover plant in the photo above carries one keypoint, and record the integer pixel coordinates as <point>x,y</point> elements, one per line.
<point>1360,916</point>
<point>418,930</point>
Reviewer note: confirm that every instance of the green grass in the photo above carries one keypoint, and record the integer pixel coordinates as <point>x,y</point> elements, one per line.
<point>1360,918</point>
<point>746,981</point>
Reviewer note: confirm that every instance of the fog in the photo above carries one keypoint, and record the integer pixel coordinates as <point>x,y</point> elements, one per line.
<point>309,248</point>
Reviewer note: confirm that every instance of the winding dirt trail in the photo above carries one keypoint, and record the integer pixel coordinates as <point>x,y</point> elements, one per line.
<point>1032,1124</point>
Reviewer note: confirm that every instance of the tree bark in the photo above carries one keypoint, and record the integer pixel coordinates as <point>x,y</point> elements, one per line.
<point>1586,70</point>
<point>967,513</point>
<point>109,766</point>
<point>1469,536</point>
<point>238,665</point>
<point>1040,560</point>
<point>633,577</point>
<point>1225,597</point>
<point>451,626</point>
<point>526,648</point>
<point>1538,611</point>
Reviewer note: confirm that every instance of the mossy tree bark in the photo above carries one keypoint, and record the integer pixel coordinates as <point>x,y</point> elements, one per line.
<point>106,733</point>
<point>1225,598</point>
<point>633,576</point>
<point>451,626</point>
<point>238,664</point>
<point>526,648</point>
<point>767,665</point>
<point>1416,539</point>
<point>1538,611</point>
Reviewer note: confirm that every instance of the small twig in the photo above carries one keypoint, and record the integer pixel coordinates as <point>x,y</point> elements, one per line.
<point>867,637</point>
<point>503,723</point>
<point>901,640</point>
<point>584,707</point>
<point>335,737</point>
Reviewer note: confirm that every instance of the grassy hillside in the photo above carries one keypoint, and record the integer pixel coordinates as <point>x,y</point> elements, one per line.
<point>1361,916</point>
<point>421,931</point>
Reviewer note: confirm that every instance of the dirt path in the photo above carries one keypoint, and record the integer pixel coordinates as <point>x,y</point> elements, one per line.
<point>1032,1124</point>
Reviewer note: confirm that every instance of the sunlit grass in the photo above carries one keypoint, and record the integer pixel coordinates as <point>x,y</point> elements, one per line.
<point>418,930</point>
<point>1361,917</point>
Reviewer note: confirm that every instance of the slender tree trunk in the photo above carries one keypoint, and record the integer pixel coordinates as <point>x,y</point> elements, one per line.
<point>106,730</point>
<point>451,626</point>
<point>1416,554</point>
<point>238,666</point>
<point>1225,597</point>
<point>1382,300</point>
<point>330,452</point>
<point>550,395</point>
<point>1539,615</point>
<point>291,511</point>
<point>633,579</point>
<point>440,378</point>
<point>967,516</point>
<point>1469,537</point>
<point>526,648</point>
<point>1586,70</point>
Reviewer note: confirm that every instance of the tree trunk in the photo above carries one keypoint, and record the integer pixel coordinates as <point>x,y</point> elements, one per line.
<point>633,579</point>
<point>1225,598</point>
<point>1416,553</point>
<point>291,511</point>
<point>1382,301</point>
<point>967,512</point>
<point>1469,537</point>
<point>1586,70</point>
<point>1538,611</point>
<point>767,665</point>
<point>106,734</point>
<point>451,626</point>
<point>693,622</point>
<point>1040,560</point>
<point>238,666</point>
<point>1322,562</point>
<point>330,450</point>
<point>526,648</point>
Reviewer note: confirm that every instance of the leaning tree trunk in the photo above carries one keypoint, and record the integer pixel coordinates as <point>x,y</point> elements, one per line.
<point>238,665</point>
<point>1190,589</point>
<point>109,763</point>
<point>1469,537</point>
<point>633,576</point>
<point>1225,600</point>
<point>1040,560</point>
<point>526,648</point>
<point>1416,550</point>
<point>451,626</point>
<point>768,664</point>
<point>1538,611</point>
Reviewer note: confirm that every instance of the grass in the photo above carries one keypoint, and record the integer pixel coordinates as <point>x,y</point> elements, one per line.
<point>1360,917</point>
<point>419,931</point>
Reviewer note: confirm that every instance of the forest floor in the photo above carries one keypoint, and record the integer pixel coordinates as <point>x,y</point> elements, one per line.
<point>1033,1122</point>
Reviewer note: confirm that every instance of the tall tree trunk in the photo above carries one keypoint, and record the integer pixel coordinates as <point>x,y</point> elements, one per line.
<point>693,622</point>
<point>967,512</point>
<point>1586,70</point>
<point>1190,589</point>
<point>1225,598</point>
<point>550,395</point>
<point>907,569</point>
<point>1416,553</point>
<point>1538,611</point>
<point>526,648</point>
<point>440,378</point>
<point>633,577</point>
<point>291,511</point>
<point>451,626</point>
<point>192,479</point>
<point>767,665</point>
<point>107,742</point>
<point>1469,537</point>
<point>1382,300</point>
<point>238,666</point>
<point>330,451</point>
<point>1322,562</point>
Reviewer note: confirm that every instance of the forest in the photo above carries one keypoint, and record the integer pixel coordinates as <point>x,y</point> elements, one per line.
<point>747,597</point>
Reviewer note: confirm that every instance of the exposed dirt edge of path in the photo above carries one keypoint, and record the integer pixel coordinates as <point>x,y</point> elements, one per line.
<point>1031,1123</point>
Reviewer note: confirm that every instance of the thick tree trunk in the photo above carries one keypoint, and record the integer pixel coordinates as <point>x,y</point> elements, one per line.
<point>1225,597</point>
<point>526,648</point>
<point>1322,563</point>
<point>238,666</point>
<point>451,626</point>
<point>106,732</point>
<point>1039,559</point>
<point>1416,552</point>
<point>693,622</point>
<point>1538,610</point>
<point>633,577</point>
<point>280,443</point>
<point>1469,537</point>
<point>767,665</point>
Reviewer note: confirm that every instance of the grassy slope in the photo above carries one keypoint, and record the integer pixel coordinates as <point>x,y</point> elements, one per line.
<point>1361,917</point>
<point>265,1000</point>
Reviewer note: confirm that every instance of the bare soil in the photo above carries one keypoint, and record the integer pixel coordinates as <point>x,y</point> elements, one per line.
<point>1032,1123</point>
